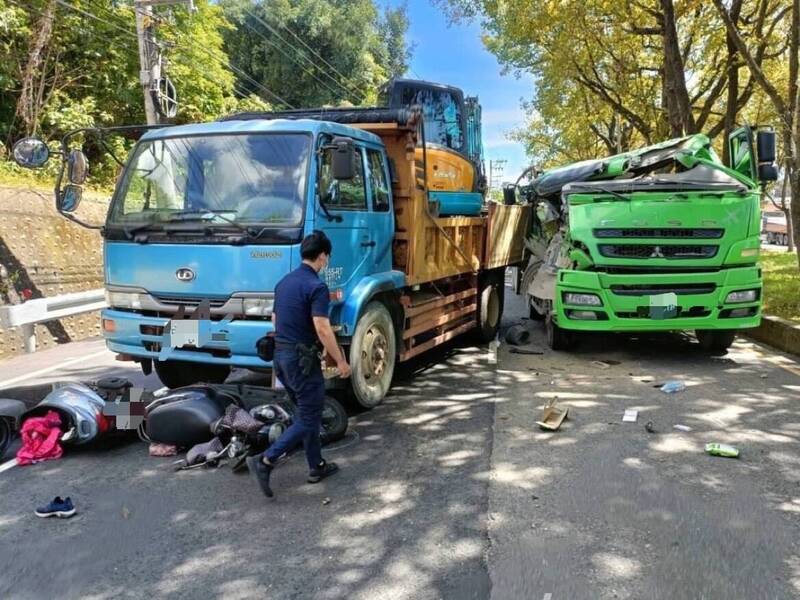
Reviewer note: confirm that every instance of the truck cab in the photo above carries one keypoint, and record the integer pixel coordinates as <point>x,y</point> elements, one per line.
<point>209,217</point>
<point>665,238</point>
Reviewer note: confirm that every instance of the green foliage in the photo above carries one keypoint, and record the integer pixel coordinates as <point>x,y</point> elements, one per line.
<point>781,284</point>
<point>89,70</point>
<point>602,83</point>
<point>348,48</point>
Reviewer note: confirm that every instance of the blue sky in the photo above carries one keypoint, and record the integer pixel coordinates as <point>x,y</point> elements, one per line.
<point>454,54</point>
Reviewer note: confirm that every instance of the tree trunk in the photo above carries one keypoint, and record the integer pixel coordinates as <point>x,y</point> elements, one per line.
<point>793,223</point>
<point>733,84</point>
<point>679,110</point>
<point>28,107</point>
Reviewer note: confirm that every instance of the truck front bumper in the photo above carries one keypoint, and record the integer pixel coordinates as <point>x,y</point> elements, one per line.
<point>634,302</point>
<point>231,342</point>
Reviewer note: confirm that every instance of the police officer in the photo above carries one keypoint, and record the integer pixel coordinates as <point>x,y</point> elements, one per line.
<point>300,320</point>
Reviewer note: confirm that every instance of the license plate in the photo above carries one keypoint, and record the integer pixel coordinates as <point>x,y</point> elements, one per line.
<point>184,332</point>
<point>664,306</point>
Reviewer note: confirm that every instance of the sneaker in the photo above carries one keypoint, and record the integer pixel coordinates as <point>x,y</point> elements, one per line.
<point>325,469</point>
<point>63,509</point>
<point>261,472</point>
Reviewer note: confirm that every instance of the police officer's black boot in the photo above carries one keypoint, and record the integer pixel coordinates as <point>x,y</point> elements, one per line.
<point>261,471</point>
<point>325,469</point>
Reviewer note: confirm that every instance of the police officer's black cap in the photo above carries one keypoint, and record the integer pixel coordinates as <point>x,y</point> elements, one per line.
<point>314,244</point>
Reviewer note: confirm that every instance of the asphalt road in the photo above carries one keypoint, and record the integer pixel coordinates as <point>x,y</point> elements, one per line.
<point>449,489</point>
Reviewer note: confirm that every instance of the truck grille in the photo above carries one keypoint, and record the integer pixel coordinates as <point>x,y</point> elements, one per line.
<point>188,301</point>
<point>660,232</point>
<point>663,288</point>
<point>653,251</point>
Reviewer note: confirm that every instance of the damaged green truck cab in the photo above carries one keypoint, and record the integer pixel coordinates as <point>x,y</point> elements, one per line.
<point>665,238</point>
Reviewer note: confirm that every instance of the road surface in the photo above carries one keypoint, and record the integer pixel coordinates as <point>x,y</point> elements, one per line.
<point>449,489</point>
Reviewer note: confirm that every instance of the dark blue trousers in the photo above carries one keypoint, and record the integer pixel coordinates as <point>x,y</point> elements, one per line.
<point>308,393</point>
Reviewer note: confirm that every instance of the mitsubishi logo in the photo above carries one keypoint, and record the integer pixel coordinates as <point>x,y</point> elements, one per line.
<point>657,253</point>
<point>184,274</point>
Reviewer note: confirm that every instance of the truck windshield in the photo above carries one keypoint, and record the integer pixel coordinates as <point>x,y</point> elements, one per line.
<point>245,178</point>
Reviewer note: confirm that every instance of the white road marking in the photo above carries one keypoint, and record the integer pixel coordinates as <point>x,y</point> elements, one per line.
<point>66,363</point>
<point>8,465</point>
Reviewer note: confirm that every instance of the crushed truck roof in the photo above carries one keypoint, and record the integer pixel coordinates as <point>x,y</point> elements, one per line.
<point>637,169</point>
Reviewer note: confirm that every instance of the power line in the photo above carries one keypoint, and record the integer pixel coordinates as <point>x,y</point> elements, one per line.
<point>200,48</point>
<point>281,50</point>
<point>271,29</point>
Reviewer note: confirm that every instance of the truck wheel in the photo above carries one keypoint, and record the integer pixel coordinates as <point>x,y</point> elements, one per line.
<point>490,310</point>
<point>372,355</point>
<point>715,341</point>
<point>558,338</point>
<point>180,373</point>
<point>785,239</point>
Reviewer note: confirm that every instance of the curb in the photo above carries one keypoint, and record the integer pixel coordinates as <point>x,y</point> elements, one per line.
<point>778,333</point>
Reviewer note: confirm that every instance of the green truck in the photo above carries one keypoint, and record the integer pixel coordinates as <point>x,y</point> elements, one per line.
<point>665,238</point>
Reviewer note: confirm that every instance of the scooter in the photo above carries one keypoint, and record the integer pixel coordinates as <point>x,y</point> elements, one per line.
<point>230,421</point>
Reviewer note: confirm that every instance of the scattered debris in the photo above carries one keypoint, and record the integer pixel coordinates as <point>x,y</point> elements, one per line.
<point>552,415</point>
<point>725,450</point>
<point>680,427</point>
<point>630,415</point>
<point>605,364</point>
<point>525,351</point>
<point>763,376</point>
<point>326,501</point>
<point>158,449</point>
<point>63,509</point>
<point>650,427</point>
<point>672,387</point>
<point>126,513</point>
<point>517,335</point>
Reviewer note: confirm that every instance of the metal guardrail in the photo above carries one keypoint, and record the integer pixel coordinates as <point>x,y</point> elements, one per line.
<point>40,310</point>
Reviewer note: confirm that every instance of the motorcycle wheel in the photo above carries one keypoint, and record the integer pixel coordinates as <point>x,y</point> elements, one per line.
<point>5,436</point>
<point>334,421</point>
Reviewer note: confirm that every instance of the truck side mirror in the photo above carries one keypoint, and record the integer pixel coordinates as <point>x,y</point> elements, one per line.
<point>77,167</point>
<point>765,146</point>
<point>70,198</point>
<point>31,153</point>
<point>765,151</point>
<point>343,153</point>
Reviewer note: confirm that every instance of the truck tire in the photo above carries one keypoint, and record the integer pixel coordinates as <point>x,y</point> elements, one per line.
<point>716,341</point>
<point>785,239</point>
<point>490,311</point>
<point>180,373</point>
<point>373,352</point>
<point>557,338</point>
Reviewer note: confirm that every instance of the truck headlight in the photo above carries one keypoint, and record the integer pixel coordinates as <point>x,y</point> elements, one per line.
<point>116,299</point>
<point>742,296</point>
<point>258,307</point>
<point>582,299</point>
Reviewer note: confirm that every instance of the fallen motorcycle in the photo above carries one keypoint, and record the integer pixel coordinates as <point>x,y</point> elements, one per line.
<point>232,421</point>
<point>86,410</point>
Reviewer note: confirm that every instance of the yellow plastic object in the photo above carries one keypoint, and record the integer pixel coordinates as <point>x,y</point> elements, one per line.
<point>448,171</point>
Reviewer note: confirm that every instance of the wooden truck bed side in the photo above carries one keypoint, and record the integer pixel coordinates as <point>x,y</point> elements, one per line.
<point>429,248</point>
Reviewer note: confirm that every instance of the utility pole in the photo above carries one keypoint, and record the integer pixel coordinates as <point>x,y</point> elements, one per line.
<point>150,75</point>
<point>148,55</point>
<point>496,168</point>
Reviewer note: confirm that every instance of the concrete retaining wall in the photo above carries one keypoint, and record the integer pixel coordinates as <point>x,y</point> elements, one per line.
<point>778,333</point>
<point>48,255</point>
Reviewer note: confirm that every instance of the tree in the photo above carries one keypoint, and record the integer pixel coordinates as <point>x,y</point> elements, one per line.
<point>786,102</point>
<point>317,52</point>
<point>631,73</point>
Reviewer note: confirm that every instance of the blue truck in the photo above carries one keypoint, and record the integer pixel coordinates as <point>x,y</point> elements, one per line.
<point>207,218</point>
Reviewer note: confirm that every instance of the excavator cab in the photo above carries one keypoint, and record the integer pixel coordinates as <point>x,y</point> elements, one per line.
<point>452,133</point>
